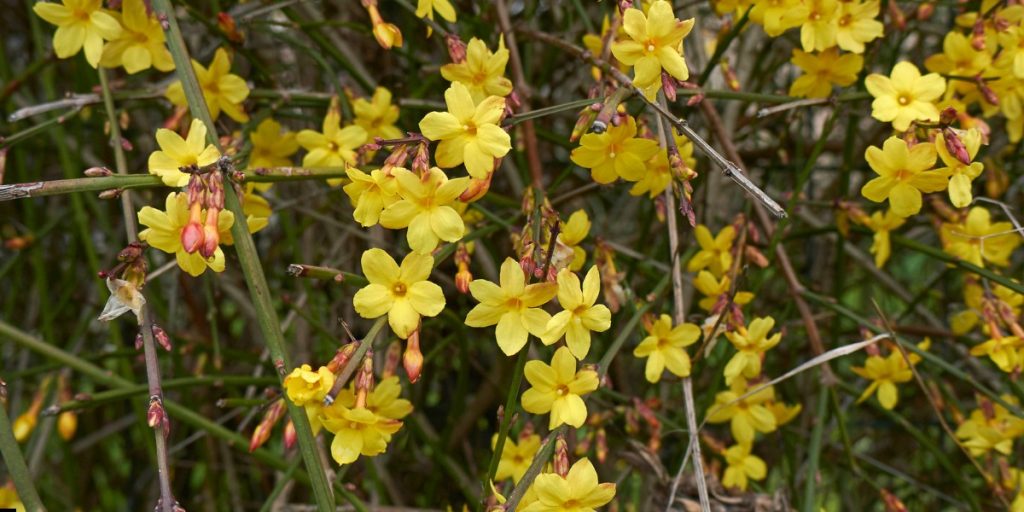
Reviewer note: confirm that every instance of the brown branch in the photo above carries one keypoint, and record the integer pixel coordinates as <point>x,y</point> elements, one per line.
<point>529,134</point>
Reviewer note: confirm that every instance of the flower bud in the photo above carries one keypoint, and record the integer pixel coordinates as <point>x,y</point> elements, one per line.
<point>986,92</point>
<point>583,121</point>
<point>290,436</point>
<point>161,337</point>
<point>601,441</point>
<point>456,48</point>
<point>25,424</point>
<point>412,359</point>
<point>668,84</point>
<point>113,193</point>
<point>342,356</point>
<point>388,35</point>
<point>192,236</point>
<point>947,116</point>
<point>211,237</point>
<point>955,146</point>
<point>364,380</point>
<point>391,358</point>
<point>731,80</point>
<point>138,341</point>
<point>98,172</point>
<point>925,10</point>
<point>156,417</point>
<point>261,433</point>
<point>227,25</point>
<point>67,424</point>
<point>978,34</point>
<point>561,458</point>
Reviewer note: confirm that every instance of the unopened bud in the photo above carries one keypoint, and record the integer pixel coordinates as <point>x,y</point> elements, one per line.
<point>156,417</point>
<point>731,80</point>
<point>462,280</point>
<point>892,503</point>
<point>391,359</point>
<point>342,356</point>
<point>456,48</point>
<point>388,35</point>
<point>161,337</point>
<point>192,235</point>
<point>113,193</point>
<point>561,458</point>
<point>364,380</point>
<point>601,443</point>
<point>67,424</point>
<point>98,172</point>
<point>947,116</point>
<point>584,121</point>
<point>986,92</point>
<point>263,429</point>
<point>25,424</point>
<point>211,240</point>
<point>899,20</point>
<point>925,11</point>
<point>138,341</point>
<point>421,159</point>
<point>978,34</point>
<point>955,146</point>
<point>668,84</point>
<point>695,99</point>
<point>227,25</point>
<point>290,435</point>
<point>477,188</point>
<point>412,359</point>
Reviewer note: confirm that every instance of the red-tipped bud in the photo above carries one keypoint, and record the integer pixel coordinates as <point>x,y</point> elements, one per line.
<point>192,234</point>
<point>412,359</point>
<point>947,116</point>
<point>462,280</point>
<point>955,146</point>
<point>391,359</point>
<point>978,34</point>
<point>364,380</point>
<point>161,337</point>
<point>113,193</point>
<point>668,84</point>
<point>290,436</point>
<point>263,429</point>
<point>98,172</point>
<point>211,239</point>
<point>561,458</point>
<point>156,417</point>
<point>342,356</point>
<point>695,99</point>
<point>227,25</point>
<point>731,80</point>
<point>986,91</point>
<point>892,503</point>
<point>456,48</point>
<point>925,10</point>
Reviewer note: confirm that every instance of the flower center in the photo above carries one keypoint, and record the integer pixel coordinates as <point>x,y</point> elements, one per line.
<point>81,15</point>
<point>398,289</point>
<point>845,20</point>
<point>903,175</point>
<point>903,99</point>
<point>514,303</point>
<point>562,390</point>
<point>332,147</point>
<point>650,46</point>
<point>470,128</point>
<point>815,16</point>
<point>580,310</point>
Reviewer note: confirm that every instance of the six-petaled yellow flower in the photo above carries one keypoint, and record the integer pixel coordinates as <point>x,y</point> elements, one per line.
<point>978,240</point>
<point>403,293</point>
<point>903,174</point>
<point>579,315</point>
<point>578,491</point>
<point>469,131</point>
<point>664,347</point>
<point>334,146</point>
<point>222,90</point>
<point>616,153</point>
<point>425,208</point>
<point>655,43</point>
<point>141,43</point>
<point>370,194</point>
<point>747,416</point>
<point>905,96</point>
<point>512,305</point>
<point>516,457</point>
<point>483,72</point>
<point>557,389</point>
<point>822,71</point>
<point>357,431</point>
<point>176,153</point>
<point>80,23</point>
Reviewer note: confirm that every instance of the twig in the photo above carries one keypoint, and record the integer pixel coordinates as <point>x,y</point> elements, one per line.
<point>767,111</point>
<point>529,133</point>
<point>355,361</point>
<point>729,168</point>
<point>679,312</point>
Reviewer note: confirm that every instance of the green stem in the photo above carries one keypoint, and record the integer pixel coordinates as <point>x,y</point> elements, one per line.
<point>811,481</point>
<point>511,399</point>
<point>15,463</point>
<point>248,259</point>
<point>939,254</point>
<point>114,395</point>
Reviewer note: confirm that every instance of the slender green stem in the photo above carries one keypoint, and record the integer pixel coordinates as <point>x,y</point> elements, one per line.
<point>114,395</point>
<point>814,452</point>
<point>15,462</point>
<point>248,259</point>
<point>511,399</point>
<point>939,254</point>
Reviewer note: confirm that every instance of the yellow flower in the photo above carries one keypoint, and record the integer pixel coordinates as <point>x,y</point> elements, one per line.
<point>425,208</point>
<point>579,491</point>
<point>271,146</point>
<point>783,413</point>
<point>557,389</point>
<point>1004,351</point>
<point>469,131</point>
<point>882,223</point>
<point>857,25</point>
<point>579,315</point>
<point>616,153</point>
<point>222,90</point>
<point>751,344</point>
<point>903,174</point>
<point>1011,55</point>
<point>715,253</point>
<point>746,416</point>
<point>80,23</point>
<point>976,239</point>
<point>384,399</point>
<point>482,73</point>
<point>659,170</point>
<point>141,43</point>
<point>307,388</point>
<point>514,307</point>
<point>906,96</point>
<point>403,293</point>
<point>176,152</point>
<point>335,146</point>
<point>819,27</point>
<point>377,115</point>
<point>778,16</point>
<point>976,301</point>
<point>741,466</point>
<point>885,372</point>
<point>960,174</point>
<point>664,348</point>
<point>713,289</point>
<point>655,43</point>
<point>822,71</point>
<point>959,58</point>
<point>164,233</point>
<point>257,212</point>
<point>370,194</point>
<point>357,431</point>
<point>991,427</point>
<point>426,8</point>
<point>9,498</point>
<point>516,458</point>
<point>573,232</point>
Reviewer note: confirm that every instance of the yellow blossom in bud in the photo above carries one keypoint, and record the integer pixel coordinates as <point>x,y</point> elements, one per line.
<point>370,194</point>
<point>164,233</point>
<point>974,299</point>
<point>24,424</point>
<point>334,146</point>
<point>377,115</point>
<point>304,385</point>
<point>572,234</point>
<point>885,372</point>
<point>388,35</point>
<point>857,25</point>
<point>751,344</point>
<point>664,347</point>
<point>516,457</point>
<point>579,315</point>
<point>80,23</point>
<point>713,289</point>
<point>822,71</point>
<point>578,491</point>
<point>512,305</point>
<point>655,43</point>
<point>468,131</point>
<point>425,208</point>
<point>67,424</point>
<point>357,431</point>
<point>715,254</point>
<point>994,429</point>
<point>403,293</point>
<point>903,174</point>
<point>960,174</point>
<point>746,417</point>
<point>905,96</point>
<point>222,90</point>
<point>176,152</point>
<point>483,72</point>
<point>978,240</point>
<point>742,465</point>
<point>557,389</point>
<point>616,153</point>
<point>882,223</point>
<point>141,43</point>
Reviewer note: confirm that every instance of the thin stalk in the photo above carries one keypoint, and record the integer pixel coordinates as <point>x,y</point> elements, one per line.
<point>248,259</point>
<point>15,462</point>
<point>814,452</point>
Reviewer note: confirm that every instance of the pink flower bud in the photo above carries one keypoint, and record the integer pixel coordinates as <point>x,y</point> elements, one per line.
<point>955,146</point>
<point>98,172</point>
<point>192,237</point>
<point>161,337</point>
